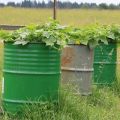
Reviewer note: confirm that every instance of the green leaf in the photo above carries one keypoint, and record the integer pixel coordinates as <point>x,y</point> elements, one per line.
<point>93,44</point>
<point>111,36</point>
<point>20,42</point>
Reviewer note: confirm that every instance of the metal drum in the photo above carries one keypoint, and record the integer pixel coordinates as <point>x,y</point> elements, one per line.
<point>77,68</point>
<point>1,59</point>
<point>105,61</point>
<point>31,74</point>
<point>118,63</point>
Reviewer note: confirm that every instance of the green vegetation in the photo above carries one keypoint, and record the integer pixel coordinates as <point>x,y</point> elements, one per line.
<point>103,104</point>
<point>51,33</point>
<point>94,34</point>
<point>91,35</point>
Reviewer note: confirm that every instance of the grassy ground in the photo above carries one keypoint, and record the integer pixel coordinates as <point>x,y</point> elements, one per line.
<point>103,104</point>
<point>74,17</point>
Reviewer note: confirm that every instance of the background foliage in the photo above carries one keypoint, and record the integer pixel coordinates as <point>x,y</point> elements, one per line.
<point>35,4</point>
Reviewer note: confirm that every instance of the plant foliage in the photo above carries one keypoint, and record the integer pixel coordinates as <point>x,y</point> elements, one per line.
<point>95,34</point>
<point>53,34</point>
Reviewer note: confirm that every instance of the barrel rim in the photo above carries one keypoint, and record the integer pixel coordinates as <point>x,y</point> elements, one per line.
<point>77,44</point>
<point>27,44</point>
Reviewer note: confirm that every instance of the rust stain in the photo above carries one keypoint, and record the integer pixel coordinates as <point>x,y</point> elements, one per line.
<point>68,55</point>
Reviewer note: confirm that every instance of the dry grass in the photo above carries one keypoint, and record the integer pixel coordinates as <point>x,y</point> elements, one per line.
<point>22,16</point>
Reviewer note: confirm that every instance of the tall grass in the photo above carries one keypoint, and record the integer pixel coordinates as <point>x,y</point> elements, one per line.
<point>103,104</point>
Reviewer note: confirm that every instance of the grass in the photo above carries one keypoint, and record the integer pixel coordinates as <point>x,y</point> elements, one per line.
<point>22,16</point>
<point>103,104</point>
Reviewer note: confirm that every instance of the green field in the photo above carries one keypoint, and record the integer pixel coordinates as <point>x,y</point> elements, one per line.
<point>103,104</point>
<point>21,16</point>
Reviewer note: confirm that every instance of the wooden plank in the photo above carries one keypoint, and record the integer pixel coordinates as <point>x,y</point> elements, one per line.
<point>10,27</point>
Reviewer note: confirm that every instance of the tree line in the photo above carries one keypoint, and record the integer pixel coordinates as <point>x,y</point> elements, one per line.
<point>62,5</point>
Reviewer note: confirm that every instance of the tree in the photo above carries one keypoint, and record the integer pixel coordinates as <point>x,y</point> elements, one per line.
<point>11,4</point>
<point>112,6</point>
<point>70,5</point>
<point>93,5</point>
<point>27,3</point>
<point>2,4</point>
<point>75,5</point>
<point>85,5</point>
<point>18,5</point>
<point>50,4</point>
<point>43,5</point>
<point>103,6</point>
<point>35,4</point>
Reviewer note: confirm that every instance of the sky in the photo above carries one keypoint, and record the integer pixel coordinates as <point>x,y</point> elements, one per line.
<point>79,1</point>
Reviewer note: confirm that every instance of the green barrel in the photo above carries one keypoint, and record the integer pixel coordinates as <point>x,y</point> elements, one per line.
<point>1,59</point>
<point>31,74</point>
<point>105,58</point>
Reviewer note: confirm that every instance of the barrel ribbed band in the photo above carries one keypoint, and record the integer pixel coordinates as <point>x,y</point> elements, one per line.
<point>29,72</point>
<point>77,69</point>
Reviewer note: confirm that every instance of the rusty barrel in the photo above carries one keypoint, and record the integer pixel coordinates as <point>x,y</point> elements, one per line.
<point>77,68</point>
